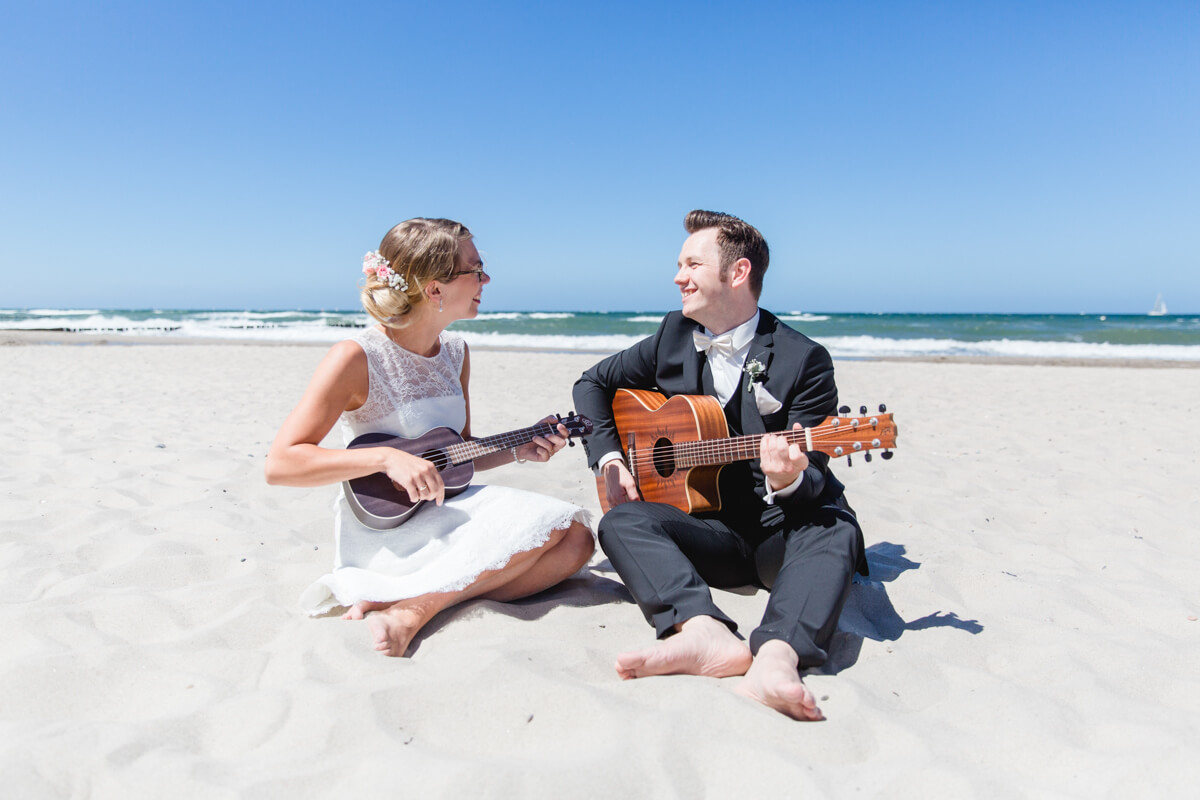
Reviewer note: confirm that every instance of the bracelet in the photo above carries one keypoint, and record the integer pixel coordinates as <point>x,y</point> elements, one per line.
<point>516,457</point>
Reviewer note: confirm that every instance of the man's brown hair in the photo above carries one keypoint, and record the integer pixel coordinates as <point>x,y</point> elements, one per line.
<point>735,239</point>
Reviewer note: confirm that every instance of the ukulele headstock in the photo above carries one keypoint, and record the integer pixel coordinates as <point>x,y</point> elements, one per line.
<point>576,425</point>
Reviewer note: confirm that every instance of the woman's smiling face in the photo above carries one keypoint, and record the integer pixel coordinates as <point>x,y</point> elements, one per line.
<point>462,293</point>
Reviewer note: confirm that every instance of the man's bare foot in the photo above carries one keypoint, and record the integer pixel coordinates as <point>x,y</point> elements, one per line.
<point>393,628</point>
<point>703,646</point>
<point>774,681</point>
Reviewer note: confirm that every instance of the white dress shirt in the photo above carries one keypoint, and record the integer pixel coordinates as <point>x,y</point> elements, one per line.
<point>726,358</point>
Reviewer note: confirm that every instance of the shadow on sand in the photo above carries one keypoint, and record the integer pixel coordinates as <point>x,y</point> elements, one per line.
<point>584,590</point>
<point>869,613</point>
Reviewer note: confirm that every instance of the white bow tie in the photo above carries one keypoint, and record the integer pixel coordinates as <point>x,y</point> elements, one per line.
<point>722,343</point>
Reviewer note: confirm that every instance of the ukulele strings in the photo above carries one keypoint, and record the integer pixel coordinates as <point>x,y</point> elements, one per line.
<point>466,451</point>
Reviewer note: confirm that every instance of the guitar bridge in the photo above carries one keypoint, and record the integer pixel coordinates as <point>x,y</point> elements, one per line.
<point>631,461</point>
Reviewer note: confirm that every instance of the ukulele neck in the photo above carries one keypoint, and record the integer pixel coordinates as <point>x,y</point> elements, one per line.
<point>478,448</point>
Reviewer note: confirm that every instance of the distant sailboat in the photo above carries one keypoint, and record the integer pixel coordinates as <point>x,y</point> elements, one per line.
<point>1160,308</point>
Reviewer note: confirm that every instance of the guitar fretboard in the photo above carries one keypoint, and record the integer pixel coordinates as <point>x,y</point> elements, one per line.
<point>726,451</point>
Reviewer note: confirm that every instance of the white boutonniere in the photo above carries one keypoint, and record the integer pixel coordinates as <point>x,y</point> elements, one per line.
<point>756,371</point>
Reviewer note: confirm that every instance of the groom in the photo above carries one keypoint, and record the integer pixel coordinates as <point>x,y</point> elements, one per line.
<point>783,522</point>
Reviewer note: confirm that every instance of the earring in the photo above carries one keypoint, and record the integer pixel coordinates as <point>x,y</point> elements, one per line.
<point>441,308</point>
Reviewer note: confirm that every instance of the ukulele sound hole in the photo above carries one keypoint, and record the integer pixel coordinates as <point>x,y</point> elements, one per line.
<point>439,458</point>
<point>664,457</point>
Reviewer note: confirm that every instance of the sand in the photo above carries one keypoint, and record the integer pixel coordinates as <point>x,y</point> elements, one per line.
<point>1029,629</point>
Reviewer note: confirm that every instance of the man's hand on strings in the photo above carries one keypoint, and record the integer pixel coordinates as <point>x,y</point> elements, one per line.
<point>782,461</point>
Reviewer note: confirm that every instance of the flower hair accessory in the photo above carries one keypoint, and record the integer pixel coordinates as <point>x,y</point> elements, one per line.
<point>377,265</point>
<point>756,371</point>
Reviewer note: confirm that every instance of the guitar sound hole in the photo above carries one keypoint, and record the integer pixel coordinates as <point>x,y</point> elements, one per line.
<point>664,457</point>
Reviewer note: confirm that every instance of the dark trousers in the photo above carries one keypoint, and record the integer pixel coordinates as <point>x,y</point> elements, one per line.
<point>668,560</point>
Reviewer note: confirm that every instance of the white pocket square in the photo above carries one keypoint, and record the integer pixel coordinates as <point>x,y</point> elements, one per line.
<point>766,402</point>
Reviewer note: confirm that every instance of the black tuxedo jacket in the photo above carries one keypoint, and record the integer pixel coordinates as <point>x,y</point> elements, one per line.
<point>799,373</point>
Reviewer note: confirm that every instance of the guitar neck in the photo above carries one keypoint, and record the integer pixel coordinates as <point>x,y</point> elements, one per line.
<point>478,448</point>
<point>836,436</point>
<point>711,452</point>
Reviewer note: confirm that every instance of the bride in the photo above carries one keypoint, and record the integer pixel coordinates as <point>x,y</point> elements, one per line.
<point>403,377</point>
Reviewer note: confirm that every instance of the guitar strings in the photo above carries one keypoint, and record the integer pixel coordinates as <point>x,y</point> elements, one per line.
<point>748,447</point>
<point>697,453</point>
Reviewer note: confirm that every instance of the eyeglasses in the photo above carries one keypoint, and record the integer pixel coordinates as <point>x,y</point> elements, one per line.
<point>478,273</point>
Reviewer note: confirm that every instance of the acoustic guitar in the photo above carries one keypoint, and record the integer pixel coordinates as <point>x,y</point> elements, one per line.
<point>675,448</point>
<point>382,505</point>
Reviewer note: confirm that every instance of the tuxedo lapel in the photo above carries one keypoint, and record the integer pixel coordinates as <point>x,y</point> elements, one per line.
<point>761,348</point>
<point>692,360</point>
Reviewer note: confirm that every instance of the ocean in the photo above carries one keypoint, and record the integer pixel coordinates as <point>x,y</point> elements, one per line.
<point>1071,336</point>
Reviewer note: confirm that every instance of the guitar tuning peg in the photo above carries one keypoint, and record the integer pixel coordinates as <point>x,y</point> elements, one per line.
<point>862,410</point>
<point>844,410</point>
<point>849,461</point>
<point>886,455</point>
<point>867,456</point>
<point>882,408</point>
<point>570,442</point>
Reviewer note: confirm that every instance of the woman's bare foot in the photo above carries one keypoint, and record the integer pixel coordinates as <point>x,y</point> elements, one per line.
<point>362,608</point>
<point>393,628</point>
<point>703,646</point>
<point>393,625</point>
<point>774,680</point>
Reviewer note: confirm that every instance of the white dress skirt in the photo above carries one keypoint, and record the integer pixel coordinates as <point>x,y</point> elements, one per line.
<point>439,548</point>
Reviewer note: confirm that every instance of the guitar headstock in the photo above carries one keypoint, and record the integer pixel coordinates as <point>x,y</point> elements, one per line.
<point>846,435</point>
<point>576,425</point>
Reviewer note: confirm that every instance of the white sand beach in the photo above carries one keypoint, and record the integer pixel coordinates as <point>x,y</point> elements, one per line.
<point>1029,628</point>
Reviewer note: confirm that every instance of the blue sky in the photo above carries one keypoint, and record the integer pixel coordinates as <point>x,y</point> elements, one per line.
<point>899,156</point>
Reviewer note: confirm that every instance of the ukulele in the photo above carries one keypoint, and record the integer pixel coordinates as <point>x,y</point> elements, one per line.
<point>382,505</point>
<point>675,448</point>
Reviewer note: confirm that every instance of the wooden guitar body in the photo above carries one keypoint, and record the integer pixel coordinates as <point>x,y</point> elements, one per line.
<point>654,424</point>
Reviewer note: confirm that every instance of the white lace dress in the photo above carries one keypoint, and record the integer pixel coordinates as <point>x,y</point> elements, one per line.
<point>438,549</point>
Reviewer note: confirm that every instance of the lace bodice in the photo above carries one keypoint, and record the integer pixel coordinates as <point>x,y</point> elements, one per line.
<point>408,393</point>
